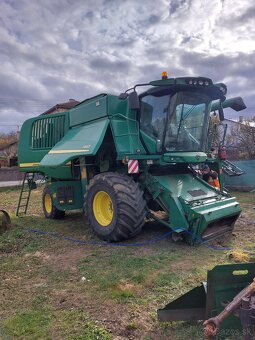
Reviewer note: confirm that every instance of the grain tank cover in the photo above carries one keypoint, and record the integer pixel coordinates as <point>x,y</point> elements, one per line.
<point>78,141</point>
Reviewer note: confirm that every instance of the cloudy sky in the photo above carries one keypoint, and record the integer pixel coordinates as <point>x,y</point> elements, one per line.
<point>53,50</point>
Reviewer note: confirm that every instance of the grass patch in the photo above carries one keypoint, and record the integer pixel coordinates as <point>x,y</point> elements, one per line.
<point>120,265</point>
<point>19,239</point>
<point>42,324</point>
<point>43,295</point>
<point>34,324</point>
<point>74,325</point>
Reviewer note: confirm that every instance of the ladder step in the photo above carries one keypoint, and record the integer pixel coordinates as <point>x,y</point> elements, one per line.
<point>26,188</point>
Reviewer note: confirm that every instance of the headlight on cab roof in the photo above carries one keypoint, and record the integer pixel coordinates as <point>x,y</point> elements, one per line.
<point>198,81</point>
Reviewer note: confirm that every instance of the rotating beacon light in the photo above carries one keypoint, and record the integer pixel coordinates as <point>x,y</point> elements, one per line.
<point>164,75</point>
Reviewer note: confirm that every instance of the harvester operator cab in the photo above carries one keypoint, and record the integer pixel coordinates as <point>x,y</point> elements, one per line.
<point>174,113</point>
<point>179,121</point>
<point>177,116</point>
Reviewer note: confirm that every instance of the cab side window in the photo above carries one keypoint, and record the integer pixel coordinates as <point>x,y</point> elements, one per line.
<point>153,115</point>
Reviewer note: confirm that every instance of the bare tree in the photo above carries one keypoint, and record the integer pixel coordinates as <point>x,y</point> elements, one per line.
<point>241,140</point>
<point>7,138</point>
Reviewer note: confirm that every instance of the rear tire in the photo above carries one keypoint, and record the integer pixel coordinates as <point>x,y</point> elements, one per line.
<point>114,206</point>
<point>49,209</point>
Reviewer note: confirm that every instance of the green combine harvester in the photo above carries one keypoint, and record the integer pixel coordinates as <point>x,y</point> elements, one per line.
<point>122,158</point>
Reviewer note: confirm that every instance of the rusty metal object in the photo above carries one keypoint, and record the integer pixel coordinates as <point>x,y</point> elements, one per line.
<point>5,221</point>
<point>212,325</point>
<point>245,317</point>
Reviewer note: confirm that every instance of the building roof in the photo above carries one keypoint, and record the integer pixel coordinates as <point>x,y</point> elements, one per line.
<point>66,106</point>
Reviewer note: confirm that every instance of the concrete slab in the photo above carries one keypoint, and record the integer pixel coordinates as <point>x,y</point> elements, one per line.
<point>10,184</point>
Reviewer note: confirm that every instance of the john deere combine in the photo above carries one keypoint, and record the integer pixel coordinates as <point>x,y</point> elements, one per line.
<point>124,157</point>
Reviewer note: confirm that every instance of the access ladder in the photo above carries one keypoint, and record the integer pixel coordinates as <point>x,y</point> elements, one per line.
<point>27,185</point>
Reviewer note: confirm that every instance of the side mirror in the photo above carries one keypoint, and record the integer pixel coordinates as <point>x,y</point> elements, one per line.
<point>133,101</point>
<point>238,104</point>
<point>235,103</point>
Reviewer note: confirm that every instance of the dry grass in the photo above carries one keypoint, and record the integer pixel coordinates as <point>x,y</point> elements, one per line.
<point>55,288</point>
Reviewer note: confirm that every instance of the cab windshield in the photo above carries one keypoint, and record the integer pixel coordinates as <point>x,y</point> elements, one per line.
<point>177,122</point>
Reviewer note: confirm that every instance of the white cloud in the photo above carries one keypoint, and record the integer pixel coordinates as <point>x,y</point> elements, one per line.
<point>55,50</point>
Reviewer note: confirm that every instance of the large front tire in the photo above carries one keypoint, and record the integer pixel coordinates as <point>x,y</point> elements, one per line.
<point>114,206</point>
<point>49,209</point>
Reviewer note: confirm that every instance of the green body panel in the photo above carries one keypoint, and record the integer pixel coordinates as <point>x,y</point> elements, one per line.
<point>77,200</point>
<point>80,140</point>
<point>190,306</point>
<point>27,154</point>
<point>88,110</point>
<point>85,128</point>
<point>29,157</point>
<point>150,142</point>
<point>126,134</point>
<point>224,282</point>
<point>191,203</point>
<point>60,172</point>
<point>185,157</point>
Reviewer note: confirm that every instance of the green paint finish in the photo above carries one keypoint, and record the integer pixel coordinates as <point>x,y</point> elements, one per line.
<point>191,203</point>
<point>190,306</point>
<point>185,157</point>
<point>224,282</point>
<point>150,143</point>
<point>91,109</point>
<point>77,201</point>
<point>125,128</point>
<point>60,172</point>
<point>104,127</point>
<point>38,132</point>
<point>115,106</point>
<point>79,141</point>
<point>126,137</point>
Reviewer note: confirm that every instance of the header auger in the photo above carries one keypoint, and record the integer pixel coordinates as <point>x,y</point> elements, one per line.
<point>124,157</point>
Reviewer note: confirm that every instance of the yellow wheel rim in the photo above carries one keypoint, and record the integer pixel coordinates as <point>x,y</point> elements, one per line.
<point>103,208</point>
<point>48,203</point>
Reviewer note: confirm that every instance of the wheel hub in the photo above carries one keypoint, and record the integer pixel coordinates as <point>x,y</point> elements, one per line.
<point>103,208</point>
<point>48,203</point>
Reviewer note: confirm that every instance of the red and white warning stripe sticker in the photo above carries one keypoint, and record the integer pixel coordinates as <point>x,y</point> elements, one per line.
<point>133,167</point>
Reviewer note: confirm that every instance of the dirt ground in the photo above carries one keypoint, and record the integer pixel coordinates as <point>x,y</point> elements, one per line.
<point>58,281</point>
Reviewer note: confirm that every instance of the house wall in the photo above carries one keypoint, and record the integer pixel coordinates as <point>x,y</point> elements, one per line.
<point>3,162</point>
<point>9,151</point>
<point>8,155</point>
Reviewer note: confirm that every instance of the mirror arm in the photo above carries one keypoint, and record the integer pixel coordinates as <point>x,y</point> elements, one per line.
<point>221,112</point>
